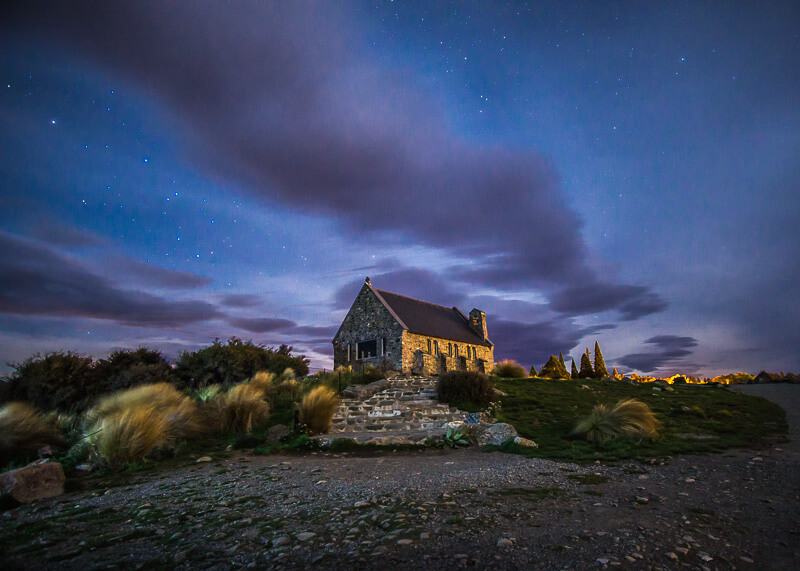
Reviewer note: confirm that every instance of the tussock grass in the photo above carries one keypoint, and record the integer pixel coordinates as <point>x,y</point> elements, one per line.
<point>317,409</point>
<point>465,386</point>
<point>242,408</point>
<point>509,369</point>
<point>23,430</point>
<point>628,418</point>
<point>130,424</point>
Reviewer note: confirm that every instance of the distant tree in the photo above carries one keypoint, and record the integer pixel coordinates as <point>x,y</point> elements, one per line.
<point>532,371</point>
<point>233,362</point>
<point>615,374</point>
<point>586,371</point>
<point>554,369</point>
<point>600,370</point>
<point>561,358</point>
<point>574,370</point>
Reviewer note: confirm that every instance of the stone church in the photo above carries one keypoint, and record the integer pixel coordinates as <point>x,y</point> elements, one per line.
<point>408,335</point>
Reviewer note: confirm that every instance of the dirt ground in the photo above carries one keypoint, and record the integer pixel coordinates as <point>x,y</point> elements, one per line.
<point>434,509</point>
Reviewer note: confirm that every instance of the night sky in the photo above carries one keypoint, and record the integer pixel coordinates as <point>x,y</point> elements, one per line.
<point>627,172</point>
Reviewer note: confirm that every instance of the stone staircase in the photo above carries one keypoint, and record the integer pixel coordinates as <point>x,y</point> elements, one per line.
<point>401,410</point>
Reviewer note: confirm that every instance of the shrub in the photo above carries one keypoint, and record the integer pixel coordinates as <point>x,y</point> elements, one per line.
<point>60,380</point>
<point>23,430</point>
<point>586,372</point>
<point>510,370</point>
<point>317,409</point>
<point>553,369</point>
<point>532,372</point>
<point>243,408</point>
<point>628,418</point>
<point>465,386</point>
<point>230,363</point>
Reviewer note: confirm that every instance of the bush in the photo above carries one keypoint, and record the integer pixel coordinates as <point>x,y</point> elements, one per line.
<point>317,409</point>
<point>554,369</point>
<point>509,369</point>
<point>628,418</point>
<point>23,430</point>
<point>129,368</point>
<point>241,409</point>
<point>465,386</point>
<point>233,362</point>
<point>60,380</point>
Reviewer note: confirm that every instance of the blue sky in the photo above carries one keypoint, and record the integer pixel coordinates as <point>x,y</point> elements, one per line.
<point>175,173</point>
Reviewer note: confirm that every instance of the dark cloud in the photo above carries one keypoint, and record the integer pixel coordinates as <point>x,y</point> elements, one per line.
<point>261,324</point>
<point>533,343</point>
<point>668,348</point>
<point>275,90</point>
<point>632,302</point>
<point>240,300</point>
<point>64,236</point>
<point>146,274</point>
<point>412,282</point>
<point>324,332</point>
<point>37,281</point>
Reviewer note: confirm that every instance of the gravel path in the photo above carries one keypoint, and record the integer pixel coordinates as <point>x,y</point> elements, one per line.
<point>435,509</point>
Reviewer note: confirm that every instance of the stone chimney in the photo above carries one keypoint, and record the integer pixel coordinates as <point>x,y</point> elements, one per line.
<point>477,321</point>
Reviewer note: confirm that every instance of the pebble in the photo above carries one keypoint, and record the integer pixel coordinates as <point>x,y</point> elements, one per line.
<point>405,541</point>
<point>305,535</point>
<point>282,540</point>
<point>504,542</point>
<point>203,459</point>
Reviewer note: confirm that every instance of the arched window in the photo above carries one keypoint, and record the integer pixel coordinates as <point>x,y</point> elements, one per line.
<point>435,347</point>
<point>456,350</point>
<point>429,345</point>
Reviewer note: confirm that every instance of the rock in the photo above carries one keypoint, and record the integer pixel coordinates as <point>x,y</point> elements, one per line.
<point>33,482</point>
<point>305,535</point>
<point>282,540</point>
<point>497,434</point>
<point>525,442</point>
<point>504,542</point>
<point>277,433</point>
<point>361,504</point>
<point>363,392</point>
<point>405,541</point>
<point>203,459</point>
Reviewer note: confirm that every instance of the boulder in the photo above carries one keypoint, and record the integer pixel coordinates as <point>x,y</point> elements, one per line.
<point>34,482</point>
<point>497,434</point>
<point>277,433</point>
<point>525,442</point>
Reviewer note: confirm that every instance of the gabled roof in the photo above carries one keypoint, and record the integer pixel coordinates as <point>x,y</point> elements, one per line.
<point>429,319</point>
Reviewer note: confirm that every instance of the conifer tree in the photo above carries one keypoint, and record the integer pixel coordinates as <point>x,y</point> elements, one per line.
<point>553,369</point>
<point>586,371</point>
<point>574,370</point>
<point>600,370</point>
<point>615,374</point>
<point>532,372</point>
<point>561,358</point>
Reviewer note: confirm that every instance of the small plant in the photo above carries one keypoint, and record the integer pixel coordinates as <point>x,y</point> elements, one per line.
<point>456,437</point>
<point>554,369</point>
<point>23,430</point>
<point>465,386</point>
<point>317,409</point>
<point>628,418</point>
<point>509,369</point>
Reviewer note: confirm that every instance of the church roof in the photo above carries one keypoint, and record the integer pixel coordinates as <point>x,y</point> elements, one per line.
<point>430,319</point>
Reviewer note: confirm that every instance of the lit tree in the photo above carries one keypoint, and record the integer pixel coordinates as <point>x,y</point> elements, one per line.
<point>561,358</point>
<point>600,370</point>
<point>532,372</point>
<point>553,369</point>
<point>586,371</point>
<point>615,374</point>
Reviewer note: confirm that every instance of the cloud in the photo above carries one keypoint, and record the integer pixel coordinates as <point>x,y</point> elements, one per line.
<point>669,348</point>
<point>292,109</point>
<point>37,281</point>
<point>412,282</point>
<point>325,332</point>
<point>240,300</point>
<point>261,324</point>
<point>533,343</point>
<point>147,274</point>
<point>632,302</point>
<point>64,236</point>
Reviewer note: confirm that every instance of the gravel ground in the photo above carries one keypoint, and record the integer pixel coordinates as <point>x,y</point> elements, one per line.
<point>434,509</point>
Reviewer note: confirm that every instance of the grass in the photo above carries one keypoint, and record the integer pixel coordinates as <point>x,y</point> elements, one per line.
<point>317,409</point>
<point>242,408</point>
<point>628,418</point>
<point>23,430</point>
<point>546,411</point>
<point>510,369</point>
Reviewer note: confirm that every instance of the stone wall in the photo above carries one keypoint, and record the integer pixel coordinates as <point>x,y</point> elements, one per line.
<point>417,357</point>
<point>369,319</point>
